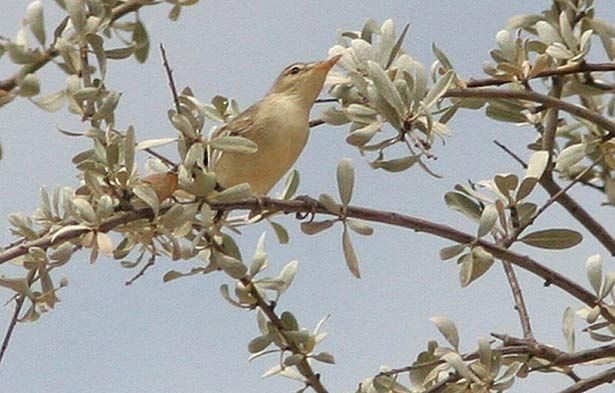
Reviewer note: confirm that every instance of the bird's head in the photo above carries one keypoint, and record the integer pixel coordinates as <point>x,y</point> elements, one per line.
<point>304,80</point>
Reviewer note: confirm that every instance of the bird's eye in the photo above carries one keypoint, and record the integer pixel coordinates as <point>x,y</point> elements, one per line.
<point>294,70</point>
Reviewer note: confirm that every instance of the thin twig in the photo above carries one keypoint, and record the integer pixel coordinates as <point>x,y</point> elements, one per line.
<point>150,262</point>
<point>116,13</point>
<point>572,206</point>
<point>169,72</point>
<point>312,379</point>
<point>563,70</point>
<point>19,301</point>
<point>11,327</point>
<point>547,101</point>
<point>607,376</point>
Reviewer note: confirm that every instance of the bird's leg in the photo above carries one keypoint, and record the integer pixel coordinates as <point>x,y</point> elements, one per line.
<point>312,204</point>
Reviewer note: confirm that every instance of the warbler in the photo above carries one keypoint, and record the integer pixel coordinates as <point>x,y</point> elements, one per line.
<point>278,124</point>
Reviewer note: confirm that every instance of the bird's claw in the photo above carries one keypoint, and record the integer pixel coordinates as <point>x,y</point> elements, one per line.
<point>312,204</point>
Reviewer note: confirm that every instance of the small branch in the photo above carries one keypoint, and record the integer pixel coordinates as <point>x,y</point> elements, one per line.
<point>382,216</point>
<point>563,70</point>
<point>520,307</point>
<point>169,72</point>
<point>19,301</point>
<point>11,327</point>
<point>607,376</point>
<point>312,379</point>
<point>150,262</point>
<point>577,211</point>
<point>325,100</point>
<point>10,83</point>
<point>546,100</point>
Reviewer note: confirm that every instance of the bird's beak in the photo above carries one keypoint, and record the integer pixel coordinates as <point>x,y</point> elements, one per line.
<point>326,65</point>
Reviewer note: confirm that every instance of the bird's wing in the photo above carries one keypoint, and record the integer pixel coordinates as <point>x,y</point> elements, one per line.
<point>239,126</point>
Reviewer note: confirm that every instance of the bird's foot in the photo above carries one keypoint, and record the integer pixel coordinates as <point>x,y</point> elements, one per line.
<point>313,205</point>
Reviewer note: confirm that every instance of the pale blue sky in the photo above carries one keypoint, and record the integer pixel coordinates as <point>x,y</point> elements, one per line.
<point>183,337</point>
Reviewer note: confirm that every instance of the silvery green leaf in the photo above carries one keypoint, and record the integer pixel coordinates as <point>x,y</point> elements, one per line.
<point>129,149</point>
<point>334,116</point>
<point>384,108</point>
<point>84,209</point>
<point>506,42</point>
<point>506,183</point>
<point>444,61</point>
<point>183,125</point>
<point>230,265</point>
<point>602,26</point>
<point>553,239</point>
<point>287,275</point>
<point>397,47</point>
<point>452,251</point>
<point>568,328</point>
<point>293,359</point>
<point>361,136</point>
<point>19,285</point>
<point>345,180</point>
<point>147,195</point>
<point>289,322</point>
<point>96,43</point>
<point>461,203</point>
<point>527,186</point>
<point>349,254</point>
<point>175,12</point>
<point>448,329</point>
<point>369,28</point>
<point>547,33</point>
<point>35,20</point>
<point>570,156</point>
<point>362,52</point>
<point>487,220</point>
<point>329,203</point>
<point>291,184</point>
<point>593,268</point>
<point>386,42</point>
<point>537,164</point>
<point>234,144</point>
<point>120,53</point>
<point>324,357</point>
<point>501,113</point>
<point>438,89</point>
<point>557,50</point>
<point>485,352</point>
<point>522,21</point>
<point>259,343</point>
<point>281,232</point>
<point>69,229</point>
<point>224,290</point>
<point>476,265</point>
<point>86,93</point>
<point>76,11</point>
<point>396,164</point>
<point>20,54</point>
<point>259,260</point>
<point>566,31</point>
<point>29,86</point>
<point>151,143</point>
<point>233,194</point>
<point>385,87</point>
<point>609,282</point>
<point>314,227</point>
<point>359,227</point>
<point>108,105</point>
<point>52,102</point>
<point>141,40</point>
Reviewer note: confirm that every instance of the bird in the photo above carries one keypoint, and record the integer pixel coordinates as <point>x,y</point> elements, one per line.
<point>279,126</point>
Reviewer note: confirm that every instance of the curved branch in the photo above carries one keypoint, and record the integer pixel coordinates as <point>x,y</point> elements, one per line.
<point>550,102</point>
<point>382,216</point>
<point>607,376</point>
<point>563,70</point>
<point>10,83</point>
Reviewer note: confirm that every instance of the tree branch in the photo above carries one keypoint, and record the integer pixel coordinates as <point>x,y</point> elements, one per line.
<point>574,68</point>
<point>549,102</point>
<point>385,217</point>
<point>303,366</point>
<point>607,376</point>
<point>10,83</point>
